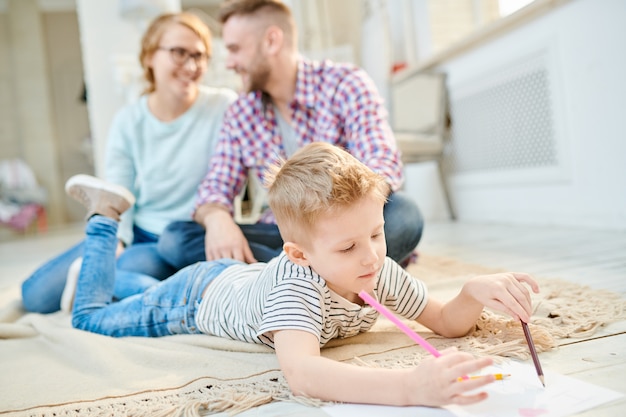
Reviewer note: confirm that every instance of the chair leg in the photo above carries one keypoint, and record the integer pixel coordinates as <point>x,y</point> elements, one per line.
<point>444,186</point>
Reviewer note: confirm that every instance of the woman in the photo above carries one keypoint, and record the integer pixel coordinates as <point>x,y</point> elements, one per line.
<point>158,148</point>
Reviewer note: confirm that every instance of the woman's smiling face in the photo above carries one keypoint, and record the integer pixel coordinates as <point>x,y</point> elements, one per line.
<point>179,79</point>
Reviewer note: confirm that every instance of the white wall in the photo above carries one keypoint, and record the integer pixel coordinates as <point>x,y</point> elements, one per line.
<point>27,126</point>
<point>584,43</point>
<point>100,47</point>
<point>110,44</point>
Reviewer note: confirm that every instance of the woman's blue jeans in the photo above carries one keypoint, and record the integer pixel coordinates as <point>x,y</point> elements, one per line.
<point>182,243</point>
<point>166,308</point>
<point>138,268</point>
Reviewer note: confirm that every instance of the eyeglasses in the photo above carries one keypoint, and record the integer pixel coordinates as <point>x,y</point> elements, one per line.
<point>180,56</point>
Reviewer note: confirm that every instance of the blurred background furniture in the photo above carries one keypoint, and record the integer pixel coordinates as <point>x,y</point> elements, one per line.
<point>420,120</point>
<point>22,199</point>
<point>251,202</point>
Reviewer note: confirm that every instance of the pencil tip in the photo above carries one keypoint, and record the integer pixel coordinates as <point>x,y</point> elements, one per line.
<point>543,382</point>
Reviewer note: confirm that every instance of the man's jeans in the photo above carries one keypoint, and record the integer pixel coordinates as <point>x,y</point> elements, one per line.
<point>167,308</point>
<point>138,268</point>
<point>182,243</point>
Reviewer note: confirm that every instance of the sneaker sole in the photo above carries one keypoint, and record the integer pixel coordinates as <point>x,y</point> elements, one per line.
<point>97,183</point>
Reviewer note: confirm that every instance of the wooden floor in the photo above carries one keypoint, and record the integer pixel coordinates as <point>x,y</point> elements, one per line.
<point>590,257</point>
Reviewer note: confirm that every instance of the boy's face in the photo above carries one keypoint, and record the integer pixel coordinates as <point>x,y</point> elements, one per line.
<point>347,248</point>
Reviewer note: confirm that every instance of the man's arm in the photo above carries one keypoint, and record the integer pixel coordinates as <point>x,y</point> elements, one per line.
<point>226,175</point>
<point>367,133</point>
<point>214,202</point>
<point>432,383</point>
<point>223,238</point>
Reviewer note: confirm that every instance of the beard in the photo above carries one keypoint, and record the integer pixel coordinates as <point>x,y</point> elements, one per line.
<point>258,75</point>
<point>258,80</point>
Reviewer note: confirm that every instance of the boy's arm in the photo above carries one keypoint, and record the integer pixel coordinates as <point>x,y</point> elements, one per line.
<point>432,383</point>
<point>504,292</point>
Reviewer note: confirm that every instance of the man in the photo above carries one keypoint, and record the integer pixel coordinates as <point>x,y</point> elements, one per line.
<point>289,102</point>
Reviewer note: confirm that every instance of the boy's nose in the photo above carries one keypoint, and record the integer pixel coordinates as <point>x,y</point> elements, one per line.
<point>370,256</point>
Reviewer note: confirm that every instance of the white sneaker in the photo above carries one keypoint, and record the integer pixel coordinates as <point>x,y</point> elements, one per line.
<point>99,196</point>
<point>67,298</point>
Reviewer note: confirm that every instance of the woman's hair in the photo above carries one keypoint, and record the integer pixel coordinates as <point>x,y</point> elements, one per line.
<point>316,180</point>
<point>152,37</point>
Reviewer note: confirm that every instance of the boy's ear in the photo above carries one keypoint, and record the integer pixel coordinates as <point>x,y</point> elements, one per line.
<point>295,254</point>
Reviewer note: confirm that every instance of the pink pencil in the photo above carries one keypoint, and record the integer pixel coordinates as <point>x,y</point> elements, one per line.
<point>406,329</point>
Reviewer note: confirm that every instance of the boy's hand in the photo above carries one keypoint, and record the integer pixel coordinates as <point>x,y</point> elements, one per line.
<point>435,380</point>
<point>504,292</point>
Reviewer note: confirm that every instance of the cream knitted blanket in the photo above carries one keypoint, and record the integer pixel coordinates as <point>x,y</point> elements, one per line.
<point>50,369</point>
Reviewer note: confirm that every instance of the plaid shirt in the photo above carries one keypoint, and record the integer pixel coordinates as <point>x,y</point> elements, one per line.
<point>334,103</point>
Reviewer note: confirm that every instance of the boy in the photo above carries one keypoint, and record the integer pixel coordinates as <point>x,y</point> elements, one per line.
<point>329,209</point>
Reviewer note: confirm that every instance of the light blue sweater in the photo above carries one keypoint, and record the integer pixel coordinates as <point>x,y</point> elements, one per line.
<point>162,163</point>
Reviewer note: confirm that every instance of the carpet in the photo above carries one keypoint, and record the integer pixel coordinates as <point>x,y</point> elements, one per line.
<point>50,369</point>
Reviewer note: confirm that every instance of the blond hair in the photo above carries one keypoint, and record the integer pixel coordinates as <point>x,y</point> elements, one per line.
<point>317,180</point>
<point>152,37</point>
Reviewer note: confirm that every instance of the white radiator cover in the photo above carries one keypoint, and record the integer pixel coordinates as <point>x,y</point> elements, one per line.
<point>538,122</point>
<point>505,120</point>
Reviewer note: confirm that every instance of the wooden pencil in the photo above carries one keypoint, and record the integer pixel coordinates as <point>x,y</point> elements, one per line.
<point>533,352</point>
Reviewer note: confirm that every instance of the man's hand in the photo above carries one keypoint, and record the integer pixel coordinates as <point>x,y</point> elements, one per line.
<point>223,237</point>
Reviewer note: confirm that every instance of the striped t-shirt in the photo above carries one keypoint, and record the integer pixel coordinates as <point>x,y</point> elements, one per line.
<point>248,302</point>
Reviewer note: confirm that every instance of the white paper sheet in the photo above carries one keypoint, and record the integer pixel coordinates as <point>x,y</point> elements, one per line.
<point>521,395</point>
